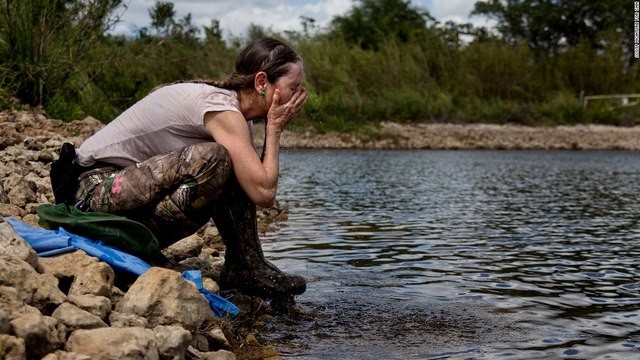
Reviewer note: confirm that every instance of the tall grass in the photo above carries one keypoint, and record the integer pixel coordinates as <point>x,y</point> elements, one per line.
<point>485,81</point>
<point>43,43</point>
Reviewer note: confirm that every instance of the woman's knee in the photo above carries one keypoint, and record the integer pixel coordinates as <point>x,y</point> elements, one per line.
<point>211,152</point>
<point>210,166</point>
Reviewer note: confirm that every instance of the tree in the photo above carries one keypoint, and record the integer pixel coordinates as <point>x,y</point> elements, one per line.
<point>308,25</point>
<point>163,21</point>
<point>213,33</point>
<point>372,21</point>
<point>552,25</point>
<point>162,17</point>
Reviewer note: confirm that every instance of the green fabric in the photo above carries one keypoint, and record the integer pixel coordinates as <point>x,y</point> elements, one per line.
<point>126,234</point>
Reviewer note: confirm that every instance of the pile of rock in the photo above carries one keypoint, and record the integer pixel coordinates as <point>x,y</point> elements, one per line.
<point>73,306</point>
<point>68,307</point>
<point>445,136</point>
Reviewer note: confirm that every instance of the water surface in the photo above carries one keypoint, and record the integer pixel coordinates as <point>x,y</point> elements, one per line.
<point>461,254</point>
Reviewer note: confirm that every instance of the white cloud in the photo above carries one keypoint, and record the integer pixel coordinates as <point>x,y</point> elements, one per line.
<point>235,16</point>
<point>447,8</point>
<point>458,11</point>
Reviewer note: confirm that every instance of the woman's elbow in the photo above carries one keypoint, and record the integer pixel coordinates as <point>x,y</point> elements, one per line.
<point>266,199</point>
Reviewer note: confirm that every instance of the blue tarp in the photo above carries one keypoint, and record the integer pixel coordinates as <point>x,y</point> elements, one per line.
<point>53,242</point>
<point>220,308</point>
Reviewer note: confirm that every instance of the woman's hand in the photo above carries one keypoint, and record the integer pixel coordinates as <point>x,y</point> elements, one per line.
<point>280,115</point>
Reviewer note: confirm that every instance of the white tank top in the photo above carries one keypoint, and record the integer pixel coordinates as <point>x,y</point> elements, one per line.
<point>167,119</point>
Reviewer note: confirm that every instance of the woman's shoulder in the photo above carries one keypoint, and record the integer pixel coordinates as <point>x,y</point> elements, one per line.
<point>220,97</point>
<point>198,87</point>
<point>200,91</point>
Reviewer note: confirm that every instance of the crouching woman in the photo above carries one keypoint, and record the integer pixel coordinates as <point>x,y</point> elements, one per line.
<point>184,154</point>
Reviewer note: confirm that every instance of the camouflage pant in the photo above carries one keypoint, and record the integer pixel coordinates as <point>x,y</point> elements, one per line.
<point>172,194</point>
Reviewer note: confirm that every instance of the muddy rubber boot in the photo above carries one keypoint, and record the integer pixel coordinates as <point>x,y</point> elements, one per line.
<point>245,267</point>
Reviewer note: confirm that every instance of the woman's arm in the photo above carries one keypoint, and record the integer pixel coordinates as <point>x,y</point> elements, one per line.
<point>230,129</point>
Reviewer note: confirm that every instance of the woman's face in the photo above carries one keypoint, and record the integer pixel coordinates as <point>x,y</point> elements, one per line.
<point>287,84</point>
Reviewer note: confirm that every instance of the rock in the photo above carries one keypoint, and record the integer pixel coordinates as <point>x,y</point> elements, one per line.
<point>212,252</point>
<point>41,334</point>
<point>118,319</point>
<point>21,191</point>
<point>67,265</point>
<point>11,210</point>
<point>12,348</point>
<point>251,340</point>
<point>200,342</point>
<point>5,327</point>
<point>63,355</point>
<point>210,285</point>
<point>12,244</point>
<point>163,297</point>
<point>210,269</point>
<point>172,341</point>
<point>32,144</point>
<point>31,219</point>
<point>217,355</point>
<point>75,318</point>
<point>12,305</point>
<point>190,246</point>
<point>88,275</point>
<point>38,290</point>
<point>211,237</point>
<point>99,306</point>
<point>271,353</point>
<point>114,343</point>
<point>42,182</point>
<point>95,279</point>
<point>216,339</point>
<point>116,295</point>
<point>4,199</point>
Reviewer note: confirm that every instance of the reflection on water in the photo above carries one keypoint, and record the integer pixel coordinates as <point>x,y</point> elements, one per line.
<point>436,254</point>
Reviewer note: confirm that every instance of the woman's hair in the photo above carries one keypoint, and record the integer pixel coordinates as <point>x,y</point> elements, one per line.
<point>269,55</point>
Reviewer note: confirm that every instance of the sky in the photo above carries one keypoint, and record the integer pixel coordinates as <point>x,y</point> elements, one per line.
<point>235,16</point>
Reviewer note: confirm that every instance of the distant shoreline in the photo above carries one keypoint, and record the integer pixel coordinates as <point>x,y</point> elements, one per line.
<point>394,136</point>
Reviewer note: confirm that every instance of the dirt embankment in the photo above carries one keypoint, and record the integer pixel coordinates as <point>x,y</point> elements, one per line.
<point>392,136</point>
<point>396,136</point>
